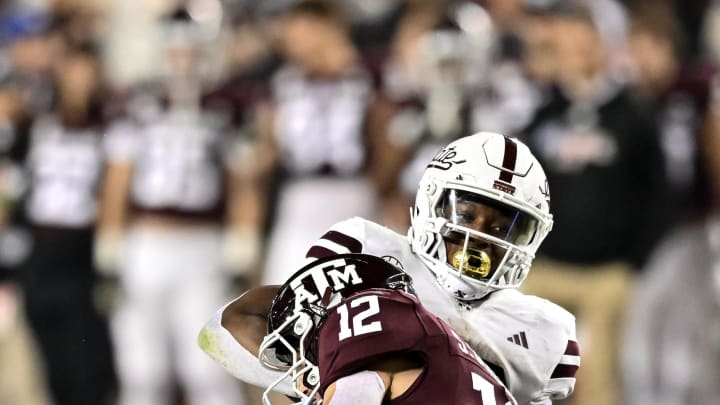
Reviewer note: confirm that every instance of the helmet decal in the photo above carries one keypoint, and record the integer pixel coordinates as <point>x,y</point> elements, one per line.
<point>444,159</point>
<point>504,182</point>
<point>545,190</point>
<point>334,275</point>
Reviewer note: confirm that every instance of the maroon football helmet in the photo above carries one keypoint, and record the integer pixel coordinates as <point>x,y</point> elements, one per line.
<point>301,306</point>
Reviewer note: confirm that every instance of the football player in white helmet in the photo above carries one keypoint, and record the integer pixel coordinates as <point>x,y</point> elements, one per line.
<point>478,221</point>
<point>481,212</point>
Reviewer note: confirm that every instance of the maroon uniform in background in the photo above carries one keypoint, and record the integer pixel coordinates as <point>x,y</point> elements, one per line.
<point>378,325</point>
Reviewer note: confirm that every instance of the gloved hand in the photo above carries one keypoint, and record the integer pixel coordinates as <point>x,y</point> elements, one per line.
<point>109,245</point>
<point>241,251</point>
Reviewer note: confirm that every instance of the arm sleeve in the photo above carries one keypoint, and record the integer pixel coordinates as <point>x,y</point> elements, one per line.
<point>343,237</point>
<point>222,347</point>
<point>363,388</point>
<point>121,142</point>
<point>562,380</point>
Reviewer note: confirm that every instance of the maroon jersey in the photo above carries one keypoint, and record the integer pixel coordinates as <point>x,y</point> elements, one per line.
<point>379,324</point>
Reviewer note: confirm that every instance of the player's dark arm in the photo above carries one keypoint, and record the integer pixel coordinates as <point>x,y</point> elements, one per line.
<point>233,336</point>
<point>247,174</point>
<point>112,216</point>
<point>246,317</point>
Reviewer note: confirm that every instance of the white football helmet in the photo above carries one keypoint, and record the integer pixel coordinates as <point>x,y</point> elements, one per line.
<point>481,212</point>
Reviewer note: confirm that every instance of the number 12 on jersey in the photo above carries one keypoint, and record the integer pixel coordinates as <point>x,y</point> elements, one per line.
<point>359,327</point>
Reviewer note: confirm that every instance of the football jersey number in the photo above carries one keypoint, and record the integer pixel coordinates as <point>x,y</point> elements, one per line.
<point>487,390</point>
<point>358,327</point>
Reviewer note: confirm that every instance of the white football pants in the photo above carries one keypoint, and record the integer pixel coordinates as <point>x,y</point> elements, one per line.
<point>172,283</point>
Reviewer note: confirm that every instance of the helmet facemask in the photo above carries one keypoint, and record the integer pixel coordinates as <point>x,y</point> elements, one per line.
<point>476,243</point>
<point>287,349</point>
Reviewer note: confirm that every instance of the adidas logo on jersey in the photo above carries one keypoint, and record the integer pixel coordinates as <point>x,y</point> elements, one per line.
<point>519,339</point>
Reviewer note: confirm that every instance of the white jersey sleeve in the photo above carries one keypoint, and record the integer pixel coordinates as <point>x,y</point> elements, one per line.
<point>121,142</point>
<point>218,343</point>
<point>344,237</point>
<point>532,340</point>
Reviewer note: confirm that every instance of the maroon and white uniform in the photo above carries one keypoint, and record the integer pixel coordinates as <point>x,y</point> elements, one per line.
<point>530,340</point>
<point>170,269</point>
<point>320,132</point>
<point>379,324</point>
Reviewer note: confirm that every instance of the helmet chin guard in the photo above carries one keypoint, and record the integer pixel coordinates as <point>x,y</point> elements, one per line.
<point>512,271</point>
<point>481,212</point>
<point>287,346</point>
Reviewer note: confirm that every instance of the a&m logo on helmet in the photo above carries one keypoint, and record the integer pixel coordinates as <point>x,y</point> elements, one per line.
<point>335,274</point>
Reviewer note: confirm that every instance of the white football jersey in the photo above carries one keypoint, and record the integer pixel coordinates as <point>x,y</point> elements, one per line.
<point>65,166</point>
<point>529,341</point>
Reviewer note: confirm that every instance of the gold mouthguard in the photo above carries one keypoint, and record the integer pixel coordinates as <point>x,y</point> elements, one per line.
<point>477,262</point>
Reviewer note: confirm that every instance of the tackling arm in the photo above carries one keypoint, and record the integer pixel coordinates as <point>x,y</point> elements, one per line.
<point>233,336</point>
<point>246,317</point>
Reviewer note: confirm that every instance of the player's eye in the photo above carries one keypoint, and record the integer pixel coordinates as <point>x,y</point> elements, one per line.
<point>499,230</point>
<point>464,218</point>
<point>464,215</point>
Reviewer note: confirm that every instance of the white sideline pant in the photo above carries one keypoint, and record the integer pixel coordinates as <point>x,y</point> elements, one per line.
<point>172,282</point>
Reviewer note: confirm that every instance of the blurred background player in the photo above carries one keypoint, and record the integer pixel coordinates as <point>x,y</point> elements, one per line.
<point>664,324</point>
<point>64,167</point>
<point>22,377</point>
<point>317,135</point>
<point>54,165</point>
<point>601,150</point>
<point>365,338</point>
<point>169,187</point>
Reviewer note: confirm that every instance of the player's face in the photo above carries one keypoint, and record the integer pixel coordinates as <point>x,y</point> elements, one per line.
<point>481,256</point>
<point>304,37</point>
<point>580,50</point>
<point>481,218</point>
